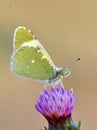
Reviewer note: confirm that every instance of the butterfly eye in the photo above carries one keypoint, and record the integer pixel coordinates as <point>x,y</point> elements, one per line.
<point>65,72</point>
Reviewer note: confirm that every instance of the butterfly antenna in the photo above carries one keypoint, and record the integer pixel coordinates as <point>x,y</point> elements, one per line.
<point>78,59</point>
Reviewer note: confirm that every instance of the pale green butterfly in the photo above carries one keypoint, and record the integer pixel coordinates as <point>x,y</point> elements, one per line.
<point>30,59</point>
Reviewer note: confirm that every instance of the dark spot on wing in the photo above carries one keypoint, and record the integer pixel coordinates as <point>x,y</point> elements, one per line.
<point>38,49</point>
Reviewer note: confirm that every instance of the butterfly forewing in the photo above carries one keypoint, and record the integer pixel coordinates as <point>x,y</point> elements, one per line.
<point>21,36</point>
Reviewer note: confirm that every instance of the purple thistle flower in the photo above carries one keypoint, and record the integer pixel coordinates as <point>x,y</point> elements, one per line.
<point>56,104</point>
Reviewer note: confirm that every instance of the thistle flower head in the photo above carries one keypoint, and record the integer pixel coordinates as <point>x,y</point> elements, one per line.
<point>56,104</point>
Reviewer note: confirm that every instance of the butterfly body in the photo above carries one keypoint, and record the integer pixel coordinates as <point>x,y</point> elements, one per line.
<point>30,59</point>
<point>60,74</point>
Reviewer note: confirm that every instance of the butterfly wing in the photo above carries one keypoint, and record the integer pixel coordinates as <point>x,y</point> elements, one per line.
<point>29,57</point>
<point>22,35</point>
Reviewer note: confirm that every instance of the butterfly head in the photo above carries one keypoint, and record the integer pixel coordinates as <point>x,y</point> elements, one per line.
<point>65,72</point>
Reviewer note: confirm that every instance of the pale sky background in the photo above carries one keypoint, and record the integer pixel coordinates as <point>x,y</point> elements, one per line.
<point>68,30</point>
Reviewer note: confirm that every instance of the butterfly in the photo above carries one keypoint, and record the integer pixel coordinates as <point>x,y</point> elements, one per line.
<point>30,59</point>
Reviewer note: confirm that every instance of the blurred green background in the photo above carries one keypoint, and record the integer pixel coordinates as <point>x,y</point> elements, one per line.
<point>68,30</point>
